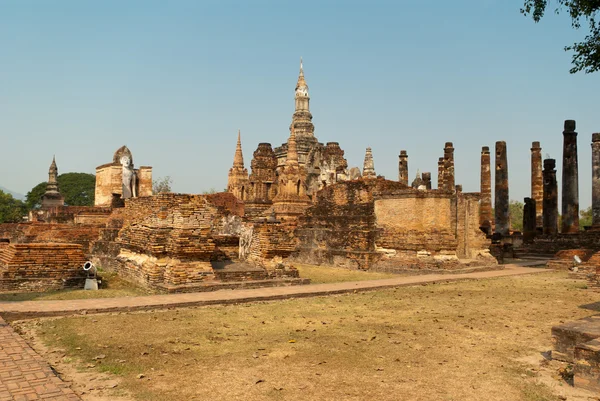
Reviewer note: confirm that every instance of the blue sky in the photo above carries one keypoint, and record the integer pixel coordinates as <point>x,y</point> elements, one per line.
<point>174,81</point>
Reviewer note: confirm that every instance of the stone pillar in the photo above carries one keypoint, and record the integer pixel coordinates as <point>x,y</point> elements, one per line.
<point>426,177</point>
<point>537,182</point>
<point>441,173</point>
<point>501,192</point>
<point>550,197</point>
<point>529,219</point>
<point>449,167</point>
<point>596,180</point>
<point>403,167</point>
<point>485,205</point>
<point>570,180</point>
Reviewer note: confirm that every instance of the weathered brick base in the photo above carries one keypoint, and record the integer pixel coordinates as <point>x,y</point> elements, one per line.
<point>564,259</point>
<point>587,366</point>
<point>578,342</point>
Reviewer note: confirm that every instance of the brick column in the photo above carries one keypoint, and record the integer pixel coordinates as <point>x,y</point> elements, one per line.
<point>501,192</point>
<point>449,167</point>
<point>537,182</point>
<point>485,205</point>
<point>529,219</point>
<point>403,167</point>
<point>596,180</point>
<point>570,180</point>
<point>441,173</point>
<point>550,197</point>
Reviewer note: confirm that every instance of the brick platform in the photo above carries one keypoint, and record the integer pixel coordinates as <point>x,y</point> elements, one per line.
<point>578,342</point>
<point>24,375</point>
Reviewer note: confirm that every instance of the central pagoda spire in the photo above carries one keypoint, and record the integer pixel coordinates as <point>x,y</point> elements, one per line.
<point>302,119</point>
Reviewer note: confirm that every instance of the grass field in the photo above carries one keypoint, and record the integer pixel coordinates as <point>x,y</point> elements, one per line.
<point>117,287</point>
<point>457,341</point>
<point>113,286</point>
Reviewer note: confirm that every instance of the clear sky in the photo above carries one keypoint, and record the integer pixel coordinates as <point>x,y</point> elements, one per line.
<point>175,80</point>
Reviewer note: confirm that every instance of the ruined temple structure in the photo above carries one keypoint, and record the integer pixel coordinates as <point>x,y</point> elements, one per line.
<point>52,197</point>
<point>384,225</point>
<point>181,243</point>
<point>320,165</point>
<point>563,243</point>
<point>570,181</point>
<point>120,180</point>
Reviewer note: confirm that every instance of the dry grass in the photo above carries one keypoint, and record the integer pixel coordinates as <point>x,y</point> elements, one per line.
<point>456,341</point>
<point>319,274</point>
<point>118,287</point>
<point>113,286</point>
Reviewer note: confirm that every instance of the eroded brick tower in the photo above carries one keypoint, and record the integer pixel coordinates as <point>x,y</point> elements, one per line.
<point>291,199</point>
<point>237,182</point>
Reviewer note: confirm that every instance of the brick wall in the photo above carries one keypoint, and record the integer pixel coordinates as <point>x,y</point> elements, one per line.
<point>271,240</point>
<point>108,181</point>
<point>415,221</point>
<point>25,233</point>
<point>144,174</point>
<point>339,229</point>
<point>472,243</point>
<point>380,223</point>
<point>39,267</point>
<point>72,215</point>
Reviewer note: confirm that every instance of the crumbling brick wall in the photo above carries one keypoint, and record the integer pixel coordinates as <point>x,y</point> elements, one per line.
<point>271,240</point>
<point>87,215</point>
<point>40,267</point>
<point>472,243</point>
<point>24,233</point>
<point>339,229</point>
<point>381,223</point>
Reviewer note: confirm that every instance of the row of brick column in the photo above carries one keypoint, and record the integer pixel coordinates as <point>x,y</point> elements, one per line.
<point>542,207</point>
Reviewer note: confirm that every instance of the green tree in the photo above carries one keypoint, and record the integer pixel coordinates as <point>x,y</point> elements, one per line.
<point>77,188</point>
<point>161,185</point>
<point>11,210</point>
<point>515,211</point>
<point>586,54</point>
<point>585,218</point>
